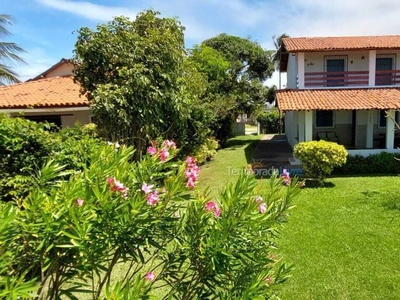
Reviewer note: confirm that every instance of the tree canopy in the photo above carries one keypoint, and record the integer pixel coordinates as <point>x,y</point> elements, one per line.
<point>8,52</point>
<point>131,71</point>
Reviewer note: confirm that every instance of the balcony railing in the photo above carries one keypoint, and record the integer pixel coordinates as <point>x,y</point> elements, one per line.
<point>331,79</point>
<point>388,77</point>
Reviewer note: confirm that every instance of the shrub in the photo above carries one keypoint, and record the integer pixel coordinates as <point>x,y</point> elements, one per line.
<point>382,163</point>
<point>119,229</point>
<point>319,158</point>
<point>269,121</point>
<point>25,146</point>
<point>206,151</point>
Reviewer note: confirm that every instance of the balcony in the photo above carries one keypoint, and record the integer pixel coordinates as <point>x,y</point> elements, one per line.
<point>387,77</point>
<point>350,78</point>
<point>332,79</point>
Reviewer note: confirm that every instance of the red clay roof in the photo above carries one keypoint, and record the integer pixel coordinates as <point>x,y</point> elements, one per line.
<point>339,99</point>
<point>43,93</point>
<point>312,44</point>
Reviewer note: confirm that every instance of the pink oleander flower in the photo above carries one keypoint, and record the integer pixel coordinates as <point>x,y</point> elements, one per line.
<point>212,206</point>
<point>262,208</point>
<point>169,144</point>
<point>153,198</point>
<point>147,188</point>
<point>151,150</point>
<point>164,154</point>
<point>150,276</point>
<point>117,186</point>
<point>259,199</point>
<point>190,161</point>
<point>190,183</point>
<point>79,202</point>
<point>176,214</point>
<point>191,172</point>
<point>286,177</point>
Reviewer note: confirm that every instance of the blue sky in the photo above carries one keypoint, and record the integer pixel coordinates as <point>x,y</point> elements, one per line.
<point>45,28</point>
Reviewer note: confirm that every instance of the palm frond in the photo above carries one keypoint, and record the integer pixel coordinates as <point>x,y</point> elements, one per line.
<point>7,75</point>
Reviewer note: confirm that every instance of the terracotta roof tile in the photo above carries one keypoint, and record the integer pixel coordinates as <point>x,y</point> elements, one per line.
<point>47,92</point>
<point>312,44</point>
<point>339,99</point>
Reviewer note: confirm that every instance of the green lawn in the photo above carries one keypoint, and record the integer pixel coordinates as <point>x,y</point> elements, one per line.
<point>344,239</point>
<point>226,165</point>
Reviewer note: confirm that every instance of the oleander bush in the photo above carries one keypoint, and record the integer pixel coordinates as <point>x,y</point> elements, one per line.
<point>319,158</point>
<point>141,218</point>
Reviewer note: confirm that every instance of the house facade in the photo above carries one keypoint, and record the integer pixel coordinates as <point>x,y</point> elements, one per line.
<point>342,89</point>
<point>52,96</point>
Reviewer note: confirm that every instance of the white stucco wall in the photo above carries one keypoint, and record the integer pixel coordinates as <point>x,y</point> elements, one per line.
<point>292,72</point>
<point>63,70</point>
<point>68,117</point>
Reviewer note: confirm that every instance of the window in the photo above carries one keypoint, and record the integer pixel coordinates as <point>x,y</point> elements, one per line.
<point>337,65</point>
<point>324,118</point>
<point>384,64</point>
<point>56,120</point>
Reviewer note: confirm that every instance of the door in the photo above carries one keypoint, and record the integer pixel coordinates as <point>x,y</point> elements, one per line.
<point>335,65</point>
<point>384,64</point>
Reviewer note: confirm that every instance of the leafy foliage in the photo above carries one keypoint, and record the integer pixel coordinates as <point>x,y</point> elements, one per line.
<point>382,163</point>
<point>269,121</point>
<point>319,158</point>
<point>25,146</point>
<point>131,71</point>
<point>139,215</point>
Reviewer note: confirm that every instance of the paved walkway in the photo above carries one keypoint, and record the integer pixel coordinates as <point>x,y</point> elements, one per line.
<point>273,151</point>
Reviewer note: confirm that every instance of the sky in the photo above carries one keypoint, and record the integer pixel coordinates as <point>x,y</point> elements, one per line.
<point>46,29</point>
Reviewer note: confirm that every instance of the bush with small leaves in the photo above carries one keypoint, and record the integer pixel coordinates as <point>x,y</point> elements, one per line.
<point>319,158</point>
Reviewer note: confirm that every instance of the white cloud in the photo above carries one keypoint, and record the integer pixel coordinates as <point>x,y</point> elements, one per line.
<point>89,10</point>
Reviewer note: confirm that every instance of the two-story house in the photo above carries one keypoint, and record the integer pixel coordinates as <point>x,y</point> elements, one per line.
<point>342,89</point>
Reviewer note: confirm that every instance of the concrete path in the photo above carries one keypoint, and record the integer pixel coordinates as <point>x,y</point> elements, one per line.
<point>273,152</point>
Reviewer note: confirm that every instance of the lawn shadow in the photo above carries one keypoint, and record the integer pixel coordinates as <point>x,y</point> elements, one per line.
<point>234,144</point>
<point>314,184</point>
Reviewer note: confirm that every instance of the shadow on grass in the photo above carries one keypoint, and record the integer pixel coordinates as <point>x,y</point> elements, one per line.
<point>233,144</point>
<point>314,184</point>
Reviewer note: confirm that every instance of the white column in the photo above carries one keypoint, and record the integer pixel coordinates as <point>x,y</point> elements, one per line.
<point>370,129</point>
<point>390,130</point>
<point>300,70</point>
<point>301,121</point>
<point>308,125</point>
<point>372,67</point>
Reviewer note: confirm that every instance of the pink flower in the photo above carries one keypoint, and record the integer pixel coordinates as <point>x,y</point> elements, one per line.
<point>150,276</point>
<point>169,144</point>
<point>153,198</point>
<point>192,172</point>
<point>164,154</point>
<point>151,150</point>
<point>212,206</point>
<point>79,202</point>
<point>176,214</point>
<point>190,161</point>
<point>190,184</point>
<point>262,208</point>
<point>286,177</point>
<point>259,199</point>
<point>147,188</point>
<point>117,186</point>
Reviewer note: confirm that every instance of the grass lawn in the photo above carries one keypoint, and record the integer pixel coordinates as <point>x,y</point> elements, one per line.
<point>344,239</point>
<point>226,165</point>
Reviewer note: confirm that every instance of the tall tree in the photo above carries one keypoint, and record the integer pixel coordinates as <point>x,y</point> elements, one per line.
<point>131,71</point>
<point>8,53</point>
<point>278,53</point>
